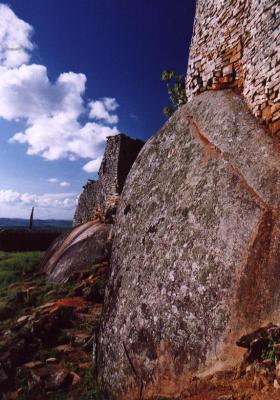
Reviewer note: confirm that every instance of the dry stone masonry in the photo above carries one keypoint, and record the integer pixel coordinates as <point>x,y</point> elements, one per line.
<point>236,45</point>
<point>86,206</point>
<point>100,198</point>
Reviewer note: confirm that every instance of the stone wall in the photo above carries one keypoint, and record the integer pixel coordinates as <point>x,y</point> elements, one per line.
<point>85,210</point>
<point>236,45</point>
<point>100,198</point>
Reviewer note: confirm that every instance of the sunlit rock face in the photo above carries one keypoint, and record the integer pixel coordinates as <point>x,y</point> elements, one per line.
<point>196,252</point>
<point>76,250</point>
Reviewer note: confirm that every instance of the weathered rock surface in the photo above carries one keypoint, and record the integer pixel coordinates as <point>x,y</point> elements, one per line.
<point>196,253</point>
<point>77,250</point>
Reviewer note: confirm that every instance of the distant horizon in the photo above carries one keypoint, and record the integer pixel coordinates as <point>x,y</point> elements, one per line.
<point>37,219</point>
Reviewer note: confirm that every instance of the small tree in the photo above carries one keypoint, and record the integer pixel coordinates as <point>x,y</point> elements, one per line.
<point>31,219</point>
<point>176,89</point>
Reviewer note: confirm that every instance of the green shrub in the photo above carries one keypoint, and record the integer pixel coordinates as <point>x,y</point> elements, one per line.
<point>176,89</point>
<point>269,352</point>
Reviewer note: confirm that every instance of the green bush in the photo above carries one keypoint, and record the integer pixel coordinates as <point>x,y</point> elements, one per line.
<point>176,89</point>
<point>269,352</point>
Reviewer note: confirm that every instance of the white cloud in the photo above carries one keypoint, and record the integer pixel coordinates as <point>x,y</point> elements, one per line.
<point>19,204</point>
<point>101,110</point>
<point>60,200</point>
<point>93,166</point>
<point>51,110</point>
<point>15,43</point>
<point>9,196</point>
<point>29,95</point>
<point>61,183</point>
<point>64,184</point>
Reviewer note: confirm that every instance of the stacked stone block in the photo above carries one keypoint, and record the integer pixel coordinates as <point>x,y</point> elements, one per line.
<point>236,45</point>
<point>85,210</point>
<point>99,198</point>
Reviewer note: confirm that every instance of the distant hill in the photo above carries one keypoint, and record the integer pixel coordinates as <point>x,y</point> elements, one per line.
<point>20,223</point>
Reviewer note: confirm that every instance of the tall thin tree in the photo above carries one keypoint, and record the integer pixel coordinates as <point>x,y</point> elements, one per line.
<point>31,219</point>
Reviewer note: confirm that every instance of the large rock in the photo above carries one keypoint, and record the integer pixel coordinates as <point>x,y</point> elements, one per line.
<point>196,254</point>
<point>76,250</point>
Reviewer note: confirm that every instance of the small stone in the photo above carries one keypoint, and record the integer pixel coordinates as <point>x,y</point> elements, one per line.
<point>276,384</point>
<point>34,383</point>
<point>33,364</point>
<point>225,397</point>
<point>58,380</point>
<point>228,70</point>
<point>90,345</point>
<point>81,338</point>
<point>23,319</point>
<point>277,368</point>
<point>76,379</point>
<point>64,348</point>
<point>268,363</point>
<point>20,322</point>
<point>85,365</point>
<point>266,112</point>
<point>249,370</point>
<point>61,377</point>
<point>47,305</point>
<point>51,360</point>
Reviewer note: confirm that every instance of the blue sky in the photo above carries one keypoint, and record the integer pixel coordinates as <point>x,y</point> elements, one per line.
<point>71,73</point>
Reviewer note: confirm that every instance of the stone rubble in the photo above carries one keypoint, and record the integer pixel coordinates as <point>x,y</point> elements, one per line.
<point>46,349</point>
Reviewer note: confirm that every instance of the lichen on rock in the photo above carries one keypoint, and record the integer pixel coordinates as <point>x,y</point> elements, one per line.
<point>199,205</point>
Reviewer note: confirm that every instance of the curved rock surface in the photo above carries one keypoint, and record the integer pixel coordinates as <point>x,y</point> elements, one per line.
<point>76,250</point>
<point>196,254</point>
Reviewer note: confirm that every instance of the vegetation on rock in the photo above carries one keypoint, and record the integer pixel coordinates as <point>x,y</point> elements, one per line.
<point>176,89</point>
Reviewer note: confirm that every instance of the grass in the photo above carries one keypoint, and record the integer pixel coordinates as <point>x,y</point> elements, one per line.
<point>19,270</point>
<point>14,266</point>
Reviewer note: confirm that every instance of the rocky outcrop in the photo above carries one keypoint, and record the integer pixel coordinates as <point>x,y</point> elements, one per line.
<point>87,243</point>
<point>76,250</point>
<point>196,254</point>
<point>100,198</point>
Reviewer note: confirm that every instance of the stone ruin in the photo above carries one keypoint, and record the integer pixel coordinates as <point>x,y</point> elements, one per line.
<point>100,197</point>
<point>87,242</point>
<point>196,248</point>
<point>236,45</point>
